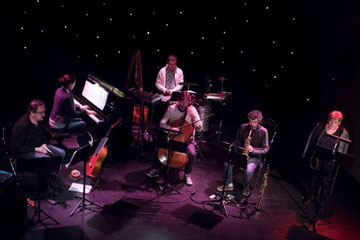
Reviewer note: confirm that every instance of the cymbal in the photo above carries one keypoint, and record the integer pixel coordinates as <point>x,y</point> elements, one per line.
<point>222,78</point>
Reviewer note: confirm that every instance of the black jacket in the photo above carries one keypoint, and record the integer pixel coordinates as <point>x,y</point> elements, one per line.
<point>26,136</point>
<point>317,133</point>
<point>259,139</point>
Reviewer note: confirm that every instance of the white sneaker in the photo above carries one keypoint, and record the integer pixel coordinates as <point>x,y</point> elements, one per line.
<point>188,180</point>
<point>153,173</point>
<point>228,187</point>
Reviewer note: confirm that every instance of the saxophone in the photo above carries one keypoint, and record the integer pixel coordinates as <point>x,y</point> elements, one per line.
<point>246,144</point>
<point>262,189</point>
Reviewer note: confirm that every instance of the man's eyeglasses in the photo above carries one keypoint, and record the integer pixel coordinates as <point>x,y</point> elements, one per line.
<point>42,112</point>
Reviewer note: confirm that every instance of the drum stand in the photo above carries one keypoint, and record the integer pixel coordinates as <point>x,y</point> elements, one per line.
<point>219,132</point>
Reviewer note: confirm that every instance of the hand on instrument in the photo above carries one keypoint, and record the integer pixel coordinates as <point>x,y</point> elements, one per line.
<point>175,129</point>
<point>84,107</point>
<point>250,149</point>
<point>41,149</point>
<point>167,92</point>
<point>90,112</point>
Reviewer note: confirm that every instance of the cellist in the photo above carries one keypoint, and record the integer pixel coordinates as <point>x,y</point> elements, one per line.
<point>173,113</point>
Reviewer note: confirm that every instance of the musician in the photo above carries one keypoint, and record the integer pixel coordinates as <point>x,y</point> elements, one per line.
<point>29,139</point>
<point>257,147</point>
<point>320,169</point>
<point>173,113</point>
<point>65,115</point>
<point>169,77</point>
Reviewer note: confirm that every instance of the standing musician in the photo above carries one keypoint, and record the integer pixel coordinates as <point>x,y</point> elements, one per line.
<point>169,77</point>
<point>66,115</point>
<point>321,168</point>
<point>257,146</point>
<point>175,112</point>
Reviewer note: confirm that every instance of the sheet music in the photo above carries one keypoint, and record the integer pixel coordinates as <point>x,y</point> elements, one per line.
<point>96,94</point>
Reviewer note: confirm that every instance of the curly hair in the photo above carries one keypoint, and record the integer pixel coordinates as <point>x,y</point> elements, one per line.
<point>255,114</point>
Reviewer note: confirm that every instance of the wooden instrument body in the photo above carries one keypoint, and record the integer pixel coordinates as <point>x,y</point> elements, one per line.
<point>93,166</point>
<point>177,159</point>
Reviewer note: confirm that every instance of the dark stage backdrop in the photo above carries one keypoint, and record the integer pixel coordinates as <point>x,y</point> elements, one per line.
<point>293,60</point>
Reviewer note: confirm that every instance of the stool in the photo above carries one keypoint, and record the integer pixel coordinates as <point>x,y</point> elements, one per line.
<point>55,135</point>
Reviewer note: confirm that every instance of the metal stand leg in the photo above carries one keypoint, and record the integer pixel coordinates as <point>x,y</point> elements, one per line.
<point>38,210</point>
<point>219,204</point>
<point>82,203</point>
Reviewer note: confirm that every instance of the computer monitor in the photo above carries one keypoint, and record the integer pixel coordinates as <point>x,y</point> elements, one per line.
<point>95,94</point>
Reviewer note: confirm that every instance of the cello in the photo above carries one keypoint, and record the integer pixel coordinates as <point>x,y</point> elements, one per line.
<point>175,159</point>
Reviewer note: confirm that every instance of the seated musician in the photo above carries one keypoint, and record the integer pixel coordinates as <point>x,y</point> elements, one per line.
<point>29,139</point>
<point>258,146</point>
<point>175,112</point>
<point>65,115</point>
<point>169,77</point>
<point>320,169</point>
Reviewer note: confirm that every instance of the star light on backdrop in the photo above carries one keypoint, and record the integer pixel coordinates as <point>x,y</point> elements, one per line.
<point>97,34</point>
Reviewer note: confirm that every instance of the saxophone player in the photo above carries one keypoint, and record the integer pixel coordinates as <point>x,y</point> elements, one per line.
<point>253,139</point>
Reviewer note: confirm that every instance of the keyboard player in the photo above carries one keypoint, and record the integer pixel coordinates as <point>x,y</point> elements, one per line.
<point>66,116</point>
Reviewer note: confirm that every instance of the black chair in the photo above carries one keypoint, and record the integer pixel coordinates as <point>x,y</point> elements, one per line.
<point>6,140</point>
<point>271,127</point>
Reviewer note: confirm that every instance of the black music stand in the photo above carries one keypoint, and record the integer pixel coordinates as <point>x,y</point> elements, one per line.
<point>82,203</point>
<point>38,164</point>
<point>188,85</point>
<point>334,157</point>
<point>219,203</point>
<point>171,146</point>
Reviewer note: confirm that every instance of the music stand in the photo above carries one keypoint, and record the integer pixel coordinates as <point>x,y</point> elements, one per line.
<point>82,203</point>
<point>332,155</point>
<point>219,203</point>
<point>171,146</point>
<point>38,164</point>
<point>188,85</point>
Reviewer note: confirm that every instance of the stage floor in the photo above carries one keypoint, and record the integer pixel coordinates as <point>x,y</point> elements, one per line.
<point>135,208</point>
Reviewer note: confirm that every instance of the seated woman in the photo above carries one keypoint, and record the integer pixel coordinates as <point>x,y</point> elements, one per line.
<point>65,115</point>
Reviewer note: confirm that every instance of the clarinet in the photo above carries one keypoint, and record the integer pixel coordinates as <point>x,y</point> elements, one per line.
<point>262,189</point>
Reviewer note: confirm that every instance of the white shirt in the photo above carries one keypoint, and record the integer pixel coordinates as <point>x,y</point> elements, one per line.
<point>161,80</point>
<point>173,113</point>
